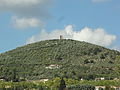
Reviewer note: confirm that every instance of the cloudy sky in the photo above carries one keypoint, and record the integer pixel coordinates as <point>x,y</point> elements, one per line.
<point>28,21</point>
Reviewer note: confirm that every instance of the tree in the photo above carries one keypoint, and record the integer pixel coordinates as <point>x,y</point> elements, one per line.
<point>102,56</point>
<point>14,76</point>
<point>62,84</point>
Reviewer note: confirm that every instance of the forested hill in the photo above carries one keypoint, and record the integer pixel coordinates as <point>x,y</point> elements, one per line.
<point>54,58</point>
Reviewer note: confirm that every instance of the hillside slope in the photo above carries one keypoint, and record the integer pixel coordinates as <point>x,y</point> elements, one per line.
<point>53,58</point>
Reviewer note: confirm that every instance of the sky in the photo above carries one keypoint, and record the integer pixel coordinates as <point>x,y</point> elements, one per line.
<point>27,21</point>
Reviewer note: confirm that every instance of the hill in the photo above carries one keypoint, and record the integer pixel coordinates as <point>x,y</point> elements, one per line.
<point>55,58</point>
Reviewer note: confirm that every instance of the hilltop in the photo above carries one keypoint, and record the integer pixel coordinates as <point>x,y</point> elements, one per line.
<point>56,58</point>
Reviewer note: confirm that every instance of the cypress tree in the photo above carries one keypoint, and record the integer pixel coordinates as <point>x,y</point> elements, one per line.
<point>62,84</point>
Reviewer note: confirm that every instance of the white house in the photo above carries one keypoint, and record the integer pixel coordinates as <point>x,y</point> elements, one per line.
<point>53,66</point>
<point>101,78</point>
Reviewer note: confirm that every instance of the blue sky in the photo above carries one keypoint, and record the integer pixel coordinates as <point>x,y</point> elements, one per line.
<point>28,21</point>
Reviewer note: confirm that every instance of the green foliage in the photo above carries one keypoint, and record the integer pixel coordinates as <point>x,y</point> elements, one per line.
<point>102,83</point>
<point>54,84</point>
<point>81,87</point>
<point>75,60</point>
<point>21,86</point>
<point>62,85</point>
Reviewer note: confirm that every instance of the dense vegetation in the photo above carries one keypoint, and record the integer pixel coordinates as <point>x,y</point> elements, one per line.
<point>55,84</point>
<point>73,59</point>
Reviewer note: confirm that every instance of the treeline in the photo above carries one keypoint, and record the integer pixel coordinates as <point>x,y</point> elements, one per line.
<point>59,84</point>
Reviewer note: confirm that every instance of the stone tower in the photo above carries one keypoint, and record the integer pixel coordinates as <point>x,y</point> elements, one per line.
<point>61,37</point>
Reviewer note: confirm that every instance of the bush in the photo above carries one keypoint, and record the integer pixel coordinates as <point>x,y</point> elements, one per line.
<point>81,87</point>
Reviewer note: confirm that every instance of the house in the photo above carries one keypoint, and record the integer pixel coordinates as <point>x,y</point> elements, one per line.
<point>103,88</point>
<point>115,79</point>
<point>81,79</point>
<point>116,88</point>
<point>37,81</point>
<point>44,80</point>
<point>99,87</point>
<point>53,66</point>
<point>2,79</point>
<point>98,79</point>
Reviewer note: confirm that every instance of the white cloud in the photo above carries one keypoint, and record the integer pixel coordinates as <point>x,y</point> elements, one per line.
<point>116,48</point>
<point>99,1</point>
<point>27,8</point>
<point>12,3</point>
<point>97,36</point>
<point>27,22</point>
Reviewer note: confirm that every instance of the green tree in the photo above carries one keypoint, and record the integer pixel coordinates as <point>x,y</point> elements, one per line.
<point>62,84</point>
